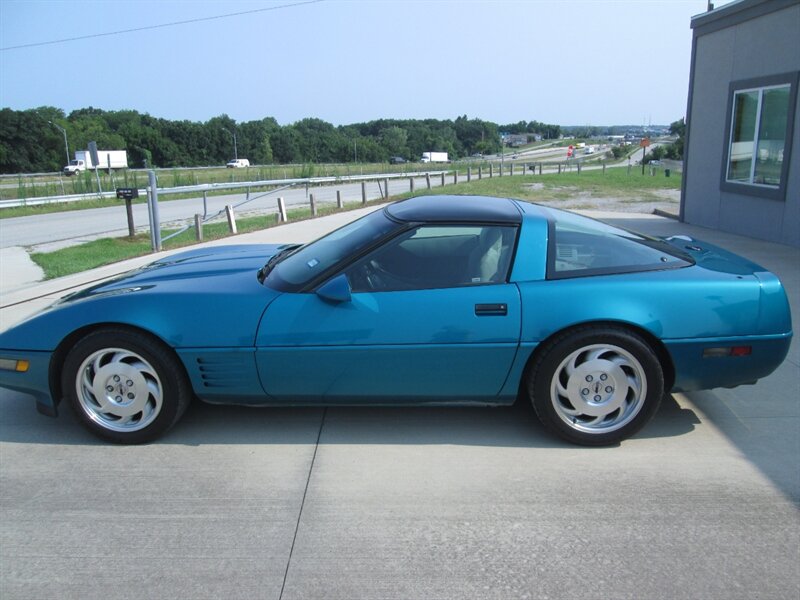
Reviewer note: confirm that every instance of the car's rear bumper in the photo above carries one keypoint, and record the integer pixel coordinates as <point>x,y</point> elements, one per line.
<point>694,371</point>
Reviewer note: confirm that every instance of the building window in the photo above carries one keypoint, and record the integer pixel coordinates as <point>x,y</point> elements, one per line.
<point>761,117</point>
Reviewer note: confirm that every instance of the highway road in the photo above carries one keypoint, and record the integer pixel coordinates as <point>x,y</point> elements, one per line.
<point>112,221</point>
<point>70,227</point>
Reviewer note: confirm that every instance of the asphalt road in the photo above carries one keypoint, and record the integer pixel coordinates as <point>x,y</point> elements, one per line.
<point>113,221</point>
<point>72,227</point>
<point>461,503</point>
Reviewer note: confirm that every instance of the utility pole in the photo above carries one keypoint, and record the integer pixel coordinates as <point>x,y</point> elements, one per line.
<point>64,131</point>
<point>235,151</point>
<point>502,153</point>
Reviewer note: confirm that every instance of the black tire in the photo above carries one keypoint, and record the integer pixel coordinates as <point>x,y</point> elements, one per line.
<point>596,385</point>
<point>125,386</point>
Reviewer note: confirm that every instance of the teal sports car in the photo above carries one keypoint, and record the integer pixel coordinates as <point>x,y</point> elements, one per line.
<point>431,300</point>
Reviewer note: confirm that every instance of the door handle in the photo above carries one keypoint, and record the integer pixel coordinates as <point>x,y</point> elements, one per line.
<point>489,310</point>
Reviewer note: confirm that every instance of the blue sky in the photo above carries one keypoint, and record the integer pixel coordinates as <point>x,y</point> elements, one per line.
<point>570,62</point>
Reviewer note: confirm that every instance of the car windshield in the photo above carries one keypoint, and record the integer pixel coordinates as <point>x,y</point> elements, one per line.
<point>312,260</point>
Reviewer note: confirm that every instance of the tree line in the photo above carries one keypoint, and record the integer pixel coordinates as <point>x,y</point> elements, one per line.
<point>30,142</point>
<point>673,151</point>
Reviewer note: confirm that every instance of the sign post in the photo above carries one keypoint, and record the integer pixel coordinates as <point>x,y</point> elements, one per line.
<point>95,164</point>
<point>644,144</point>
<point>152,205</point>
<point>128,194</point>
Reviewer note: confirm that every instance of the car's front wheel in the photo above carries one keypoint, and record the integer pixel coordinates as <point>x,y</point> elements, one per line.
<point>596,385</point>
<point>125,386</point>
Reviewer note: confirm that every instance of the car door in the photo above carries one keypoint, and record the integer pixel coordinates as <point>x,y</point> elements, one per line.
<point>429,317</point>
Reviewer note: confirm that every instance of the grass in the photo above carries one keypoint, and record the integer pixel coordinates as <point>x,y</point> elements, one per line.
<point>97,253</point>
<point>85,183</point>
<point>77,259</point>
<point>34,186</point>
<point>169,178</point>
<point>42,209</point>
<point>616,182</point>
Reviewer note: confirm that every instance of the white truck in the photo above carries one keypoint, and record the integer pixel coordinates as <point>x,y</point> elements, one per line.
<point>116,159</point>
<point>237,163</point>
<point>429,157</point>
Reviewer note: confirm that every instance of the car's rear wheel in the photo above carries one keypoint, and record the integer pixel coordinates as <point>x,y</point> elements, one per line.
<point>125,386</point>
<point>596,385</point>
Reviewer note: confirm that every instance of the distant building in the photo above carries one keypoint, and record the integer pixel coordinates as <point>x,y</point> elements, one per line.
<point>516,139</point>
<point>742,154</point>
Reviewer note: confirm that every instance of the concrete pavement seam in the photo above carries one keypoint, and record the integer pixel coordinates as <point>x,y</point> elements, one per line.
<point>303,501</point>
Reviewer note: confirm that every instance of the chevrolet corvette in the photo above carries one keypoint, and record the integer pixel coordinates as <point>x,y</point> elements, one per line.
<point>431,300</point>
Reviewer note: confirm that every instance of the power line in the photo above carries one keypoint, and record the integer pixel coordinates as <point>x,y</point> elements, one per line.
<point>162,25</point>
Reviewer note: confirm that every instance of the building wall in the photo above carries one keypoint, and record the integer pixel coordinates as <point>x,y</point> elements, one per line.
<point>768,44</point>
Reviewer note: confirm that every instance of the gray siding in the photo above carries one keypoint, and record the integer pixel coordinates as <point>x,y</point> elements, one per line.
<point>768,44</point>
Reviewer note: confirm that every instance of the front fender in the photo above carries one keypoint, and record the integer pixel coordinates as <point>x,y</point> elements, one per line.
<point>218,318</point>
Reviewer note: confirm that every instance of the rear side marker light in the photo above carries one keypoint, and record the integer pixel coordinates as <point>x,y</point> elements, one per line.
<point>728,351</point>
<point>9,364</point>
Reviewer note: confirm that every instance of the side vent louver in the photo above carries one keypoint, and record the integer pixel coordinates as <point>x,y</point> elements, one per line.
<point>223,371</point>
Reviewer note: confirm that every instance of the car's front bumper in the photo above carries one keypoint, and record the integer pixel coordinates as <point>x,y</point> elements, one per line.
<point>35,380</point>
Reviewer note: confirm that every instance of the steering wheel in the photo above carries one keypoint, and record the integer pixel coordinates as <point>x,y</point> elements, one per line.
<point>372,275</point>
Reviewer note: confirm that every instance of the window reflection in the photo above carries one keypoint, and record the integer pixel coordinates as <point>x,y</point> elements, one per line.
<point>758,135</point>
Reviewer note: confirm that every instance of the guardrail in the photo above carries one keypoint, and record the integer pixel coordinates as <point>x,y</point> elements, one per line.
<point>210,187</point>
<point>275,187</point>
<point>510,167</point>
<point>417,168</point>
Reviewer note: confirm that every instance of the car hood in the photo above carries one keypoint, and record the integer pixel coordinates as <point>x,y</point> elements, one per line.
<point>209,297</point>
<point>190,271</point>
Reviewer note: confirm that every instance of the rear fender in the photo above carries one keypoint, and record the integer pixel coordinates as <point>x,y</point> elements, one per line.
<point>774,314</point>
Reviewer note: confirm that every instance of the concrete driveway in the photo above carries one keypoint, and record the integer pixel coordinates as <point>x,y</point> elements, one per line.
<point>346,503</point>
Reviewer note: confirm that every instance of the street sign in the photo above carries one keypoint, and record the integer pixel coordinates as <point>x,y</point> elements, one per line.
<point>644,143</point>
<point>93,154</point>
<point>127,193</point>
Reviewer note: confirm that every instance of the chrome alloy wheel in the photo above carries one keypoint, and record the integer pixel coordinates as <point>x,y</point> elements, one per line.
<point>598,388</point>
<point>119,390</point>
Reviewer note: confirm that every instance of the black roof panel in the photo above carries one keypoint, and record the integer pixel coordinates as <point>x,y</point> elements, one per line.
<point>468,209</point>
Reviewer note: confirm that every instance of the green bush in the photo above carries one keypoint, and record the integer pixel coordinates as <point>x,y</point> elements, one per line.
<point>619,152</point>
<point>657,153</point>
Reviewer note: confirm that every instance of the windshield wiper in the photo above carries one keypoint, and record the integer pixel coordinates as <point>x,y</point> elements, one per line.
<point>275,259</point>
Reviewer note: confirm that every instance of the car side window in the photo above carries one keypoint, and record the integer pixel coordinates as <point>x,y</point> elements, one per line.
<point>582,247</point>
<point>436,256</point>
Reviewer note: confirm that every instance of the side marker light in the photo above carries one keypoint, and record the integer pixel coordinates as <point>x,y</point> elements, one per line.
<point>9,364</point>
<point>727,351</point>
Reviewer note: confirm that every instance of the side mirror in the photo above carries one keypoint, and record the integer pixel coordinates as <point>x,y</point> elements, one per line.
<point>335,290</point>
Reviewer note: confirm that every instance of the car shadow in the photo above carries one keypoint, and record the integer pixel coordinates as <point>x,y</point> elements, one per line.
<point>769,442</point>
<point>762,421</point>
<point>204,424</point>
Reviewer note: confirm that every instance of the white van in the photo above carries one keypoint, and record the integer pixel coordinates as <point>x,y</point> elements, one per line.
<point>238,163</point>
